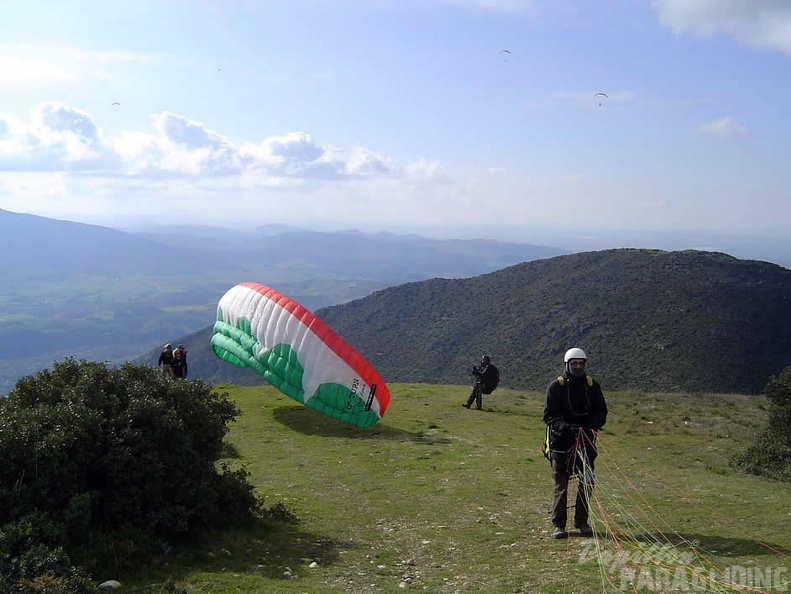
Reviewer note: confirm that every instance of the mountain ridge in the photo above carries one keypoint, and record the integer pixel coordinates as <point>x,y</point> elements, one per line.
<point>650,320</point>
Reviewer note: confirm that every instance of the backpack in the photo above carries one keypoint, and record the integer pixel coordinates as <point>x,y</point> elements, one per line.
<point>489,383</point>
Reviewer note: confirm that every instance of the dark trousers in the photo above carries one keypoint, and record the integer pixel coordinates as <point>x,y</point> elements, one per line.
<point>562,469</point>
<point>475,396</point>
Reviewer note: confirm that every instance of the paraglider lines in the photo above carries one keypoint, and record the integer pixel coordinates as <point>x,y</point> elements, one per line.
<point>641,552</point>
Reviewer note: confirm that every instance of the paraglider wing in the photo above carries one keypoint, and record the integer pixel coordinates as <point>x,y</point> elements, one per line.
<point>298,354</point>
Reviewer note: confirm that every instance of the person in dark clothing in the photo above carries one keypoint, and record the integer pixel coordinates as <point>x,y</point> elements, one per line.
<point>574,411</point>
<point>165,360</point>
<point>183,358</point>
<point>179,364</point>
<point>486,374</point>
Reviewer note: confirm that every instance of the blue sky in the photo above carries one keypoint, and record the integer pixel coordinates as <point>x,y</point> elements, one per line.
<point>381,114</point>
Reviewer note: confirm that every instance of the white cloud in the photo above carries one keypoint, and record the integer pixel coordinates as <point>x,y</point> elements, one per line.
<point>755,23</point>
<point>288,151</point>
<point>189,147</point>
<point>48,64</point>
<point>56,161</point>
<point>56,137</point>
<point>367,163</point>
<point>724,126</point>
<point>424,170</point>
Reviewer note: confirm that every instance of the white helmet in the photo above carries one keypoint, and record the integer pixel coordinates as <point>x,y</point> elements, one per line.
<point>575,353</point>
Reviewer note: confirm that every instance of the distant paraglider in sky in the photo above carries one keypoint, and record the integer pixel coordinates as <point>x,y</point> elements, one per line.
<point>601,97</point>
<point>505,54</point>
<point>298,354</point>
<point>116,104</point>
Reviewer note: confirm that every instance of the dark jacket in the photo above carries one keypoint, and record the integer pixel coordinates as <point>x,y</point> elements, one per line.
<point>570,404</point>
<point>179,367</point>
<point>165,358</point>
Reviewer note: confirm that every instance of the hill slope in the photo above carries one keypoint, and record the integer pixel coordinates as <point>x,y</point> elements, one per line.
<point>438,499</point>
<point>649,320</point>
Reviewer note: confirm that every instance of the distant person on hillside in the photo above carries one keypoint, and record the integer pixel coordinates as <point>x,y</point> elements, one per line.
<point>574,411</point>
<point>486,379</point>
<point>184,358</point>
<point>165,360</point>
<point>179,363</point>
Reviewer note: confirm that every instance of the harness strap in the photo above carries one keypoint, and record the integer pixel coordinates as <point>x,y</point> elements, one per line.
<point>588,379</point>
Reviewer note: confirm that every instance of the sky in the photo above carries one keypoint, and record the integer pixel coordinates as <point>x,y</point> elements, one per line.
<point>381,114</point>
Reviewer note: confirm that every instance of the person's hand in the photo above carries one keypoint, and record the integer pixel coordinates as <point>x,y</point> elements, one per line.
<point>561,428</point>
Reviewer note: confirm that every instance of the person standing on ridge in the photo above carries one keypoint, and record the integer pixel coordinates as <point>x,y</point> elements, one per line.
<point>486,379</point>
<point>165,360</point>
<point>184,356</point>
<point>179,364</point>
<point>574,411</point>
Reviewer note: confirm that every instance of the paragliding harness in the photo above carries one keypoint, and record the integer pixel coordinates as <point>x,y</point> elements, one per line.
<point>488,383</point>
<point>545,444</point>
<point>579,457</point>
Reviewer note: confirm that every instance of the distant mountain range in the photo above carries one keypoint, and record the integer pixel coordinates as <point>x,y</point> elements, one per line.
<point>104,294</point>
<point>34,246</point>
<point>650,320</point>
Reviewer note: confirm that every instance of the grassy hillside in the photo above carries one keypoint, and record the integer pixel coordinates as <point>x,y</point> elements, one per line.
<point>649,320</point>
<point>437,498</point>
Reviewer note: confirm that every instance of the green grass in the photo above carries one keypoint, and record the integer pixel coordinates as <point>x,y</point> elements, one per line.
<point>437,498</point>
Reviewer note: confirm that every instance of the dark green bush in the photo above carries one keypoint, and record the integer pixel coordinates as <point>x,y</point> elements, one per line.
<point>89,450</point>
<point>43,570</point>
<point>31,562</point>
<point>770,454</point>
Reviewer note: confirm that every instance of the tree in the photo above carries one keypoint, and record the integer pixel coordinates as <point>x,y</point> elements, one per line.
<point>770,455</point>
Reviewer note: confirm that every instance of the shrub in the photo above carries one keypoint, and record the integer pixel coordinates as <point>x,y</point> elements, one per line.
<point>89,450</point>
<point>770,454</point>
